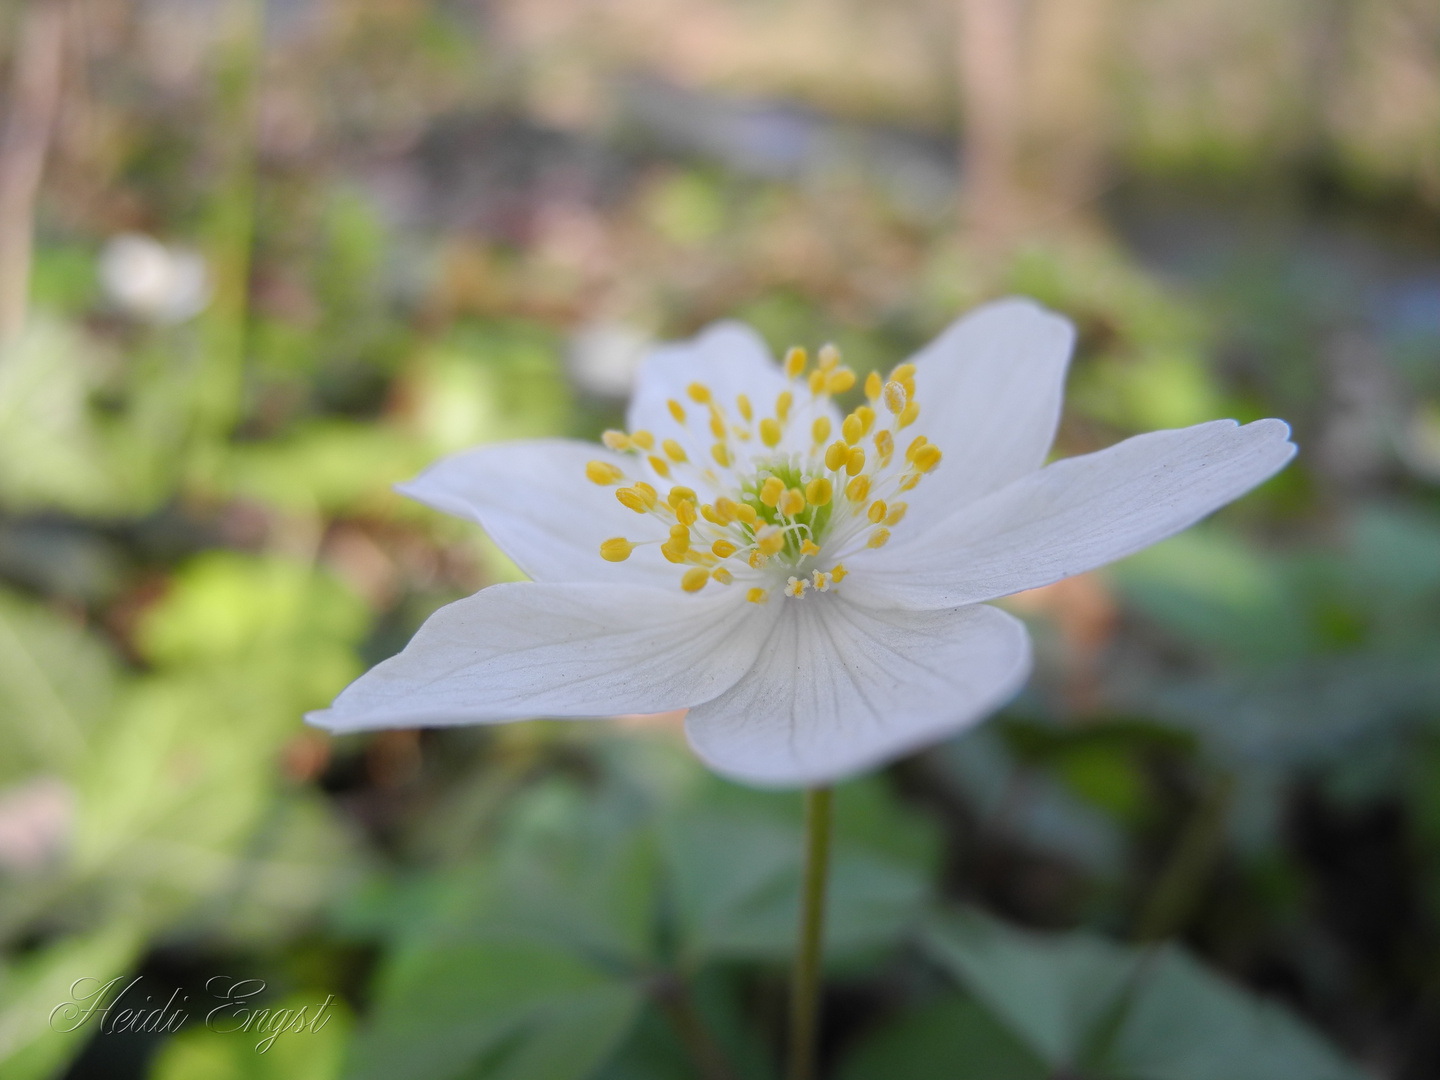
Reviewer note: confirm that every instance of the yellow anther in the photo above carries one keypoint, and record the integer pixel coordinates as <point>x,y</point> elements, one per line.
<point>721,453</point>
<point>659,464</point>
<point>724,511</point>
<point>820,581</point>
<point>838,574</point>
<point>757,596</point>
<point>855,461</point>
<point>616,550</point>
<point>783,401</point>
<point>867,418</point>
<point>820,430</point>
<point>809,547</point>
<point>634,500</point>
<point>743,404</point>
<point>818,379</point>
<point>920,440</point>
<point>873,386</point>
<point>678,494</point>
<point>673,551</point>
<point>903,372</point>
<point>858,489</point>
<point>839,381</point>
<point>819,491</point>
<point>700,558</point>
<point>746,513</point>
<point>792,502</point>
<point>878,538</point>
<point>796,586</point>
<point>908,415</point>
<point>828,356</point>
<point>603,473</point>
<point>896,514</point>
<point>615,440</point>
<point>894,397</point>
<point>717,423</point>
<point>685,513</point>
<point>770,432</point>
<point>680,532</point>
<point>695,579</point>
<point>699,393</point>
<point>836,454</point>
<point>648,493</point>
<point>673,450</point>
<point>795,360</point>
<point>769,540</point>
<point>884,445</point>
<point>723,548</point>
<point>853,429</point>
<point>757,559</point>
<point>722,575</point>
<point>771,490</point>
<point>877,511</point>
<point>909,480</point>
<point>927,457</point>
<point>676,410</point>
<point>642,439</point>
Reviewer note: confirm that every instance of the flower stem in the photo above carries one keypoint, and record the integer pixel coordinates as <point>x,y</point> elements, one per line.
<point>805,988</point>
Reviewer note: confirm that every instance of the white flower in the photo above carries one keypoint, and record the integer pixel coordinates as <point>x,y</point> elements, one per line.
<point>809,586</point>
<point>151,281</point>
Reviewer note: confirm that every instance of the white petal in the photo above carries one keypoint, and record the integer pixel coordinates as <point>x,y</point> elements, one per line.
<point>1073,516</point>
<point>516,651</point>
<point>839,688</point>
<point>534,500</point>
<point>990,390</point>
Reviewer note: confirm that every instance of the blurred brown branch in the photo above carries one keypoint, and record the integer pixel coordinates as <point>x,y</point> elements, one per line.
<point>29,123</point>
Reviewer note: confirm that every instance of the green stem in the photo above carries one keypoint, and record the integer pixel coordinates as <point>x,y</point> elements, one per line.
<point>1181,883</point>
<point>805,989</point>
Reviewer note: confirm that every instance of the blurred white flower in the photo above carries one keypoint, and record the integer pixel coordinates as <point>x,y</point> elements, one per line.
<point>152,281</point>
<point>604,357</point>
<point>808,585</point>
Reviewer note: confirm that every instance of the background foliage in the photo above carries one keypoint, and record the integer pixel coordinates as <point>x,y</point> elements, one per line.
<point>284,255</point>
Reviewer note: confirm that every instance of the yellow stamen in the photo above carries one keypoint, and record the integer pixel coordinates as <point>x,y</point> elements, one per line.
<point>792,502</point>
<point>699,393</point>
<point>828,356</point>
<point>757,596</point>
<point>896,514</point>
<point>878,538</point>
<point>615,440</point>
<point>685,513</point>
<point>717,423</point>
<point>721,453</point>
<point>877,511</point>
<point>873,386</point>
<point>722,575</point>
<point>817,382</point>
<point>603,473</point>
<point>616,550</point>
<point>908,415</point>
<point>634,500</point>
<point>820,581</point>
<point>771,490</point>
<point>673,450</point>
<point>795,361</point>
<point>885,446</point>
<point>678,494</point>
<point>838,574</point>
<point>746,513</point>
<point>694,580</point>
<point>836,455</point>
<point>840,381</point>
<point>819,491</point>
<point>858,489</point>
<point>770,432</point>
<point>673,551</point>
<point>909,480</point>
<point>820,430</point>
<point>643,439</point>
<point>853,429</point>
<point>910,450</point>
<point>783,401</point>
<point>723,548</point>
<point>743,404</point>
<point>796,587</point>
<point>894,397</point>
<point>676,410</point>
<point>770,541</point>
<point>757,559</point>
<point>927,457</point>
<point>724,511</point>
<point>809,547</point>
<point>659,464</point>
<point>855,461</point>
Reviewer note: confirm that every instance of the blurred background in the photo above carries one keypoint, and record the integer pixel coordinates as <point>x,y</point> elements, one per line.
<point>259,261</point>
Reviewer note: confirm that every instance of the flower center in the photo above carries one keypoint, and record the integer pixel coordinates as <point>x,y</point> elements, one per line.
<point>780,503</point>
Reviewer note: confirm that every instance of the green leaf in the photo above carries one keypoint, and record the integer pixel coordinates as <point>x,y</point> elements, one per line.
<point>316,1052</point>
<point>521,1010</point>
<point>950,1039</point>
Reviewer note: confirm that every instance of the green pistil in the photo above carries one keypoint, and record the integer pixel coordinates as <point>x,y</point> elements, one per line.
<point>815,517</point>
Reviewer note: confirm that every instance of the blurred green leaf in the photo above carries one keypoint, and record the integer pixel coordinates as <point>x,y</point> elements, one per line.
<point>949,1039</point>
<point>315,1053</point>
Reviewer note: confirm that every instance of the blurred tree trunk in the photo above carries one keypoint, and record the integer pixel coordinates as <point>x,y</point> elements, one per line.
<point>34,99</point>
